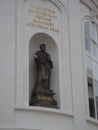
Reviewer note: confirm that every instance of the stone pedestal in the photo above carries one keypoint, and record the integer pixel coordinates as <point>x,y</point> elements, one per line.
<point>43,98</point>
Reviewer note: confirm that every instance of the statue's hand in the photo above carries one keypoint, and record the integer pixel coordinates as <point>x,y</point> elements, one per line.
<point>35,56</point>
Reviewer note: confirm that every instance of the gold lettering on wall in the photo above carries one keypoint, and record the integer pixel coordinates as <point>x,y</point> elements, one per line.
<point>43,18</point>
<point>43,9</point>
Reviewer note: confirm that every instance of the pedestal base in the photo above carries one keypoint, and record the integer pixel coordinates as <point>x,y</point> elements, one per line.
<point>44,99</point>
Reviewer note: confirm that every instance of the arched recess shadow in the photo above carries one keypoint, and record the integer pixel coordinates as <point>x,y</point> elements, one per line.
<point>52,49</point>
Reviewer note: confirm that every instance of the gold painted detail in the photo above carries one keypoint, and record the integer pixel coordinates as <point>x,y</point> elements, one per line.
<point>43,27</point>
<point>42,22</point>
<point>45,98</point>
<point>42,13</point>
<point>37,26</point>
<point>43,18</point>
<point>43,9</point>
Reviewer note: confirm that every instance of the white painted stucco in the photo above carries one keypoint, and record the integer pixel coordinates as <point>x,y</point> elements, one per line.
<point>15,113</point>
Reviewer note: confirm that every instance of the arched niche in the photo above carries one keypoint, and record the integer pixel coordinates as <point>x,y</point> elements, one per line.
<point>52,49</point>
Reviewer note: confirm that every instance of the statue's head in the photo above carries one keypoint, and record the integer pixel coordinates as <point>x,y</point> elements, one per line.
<point>42,47</point>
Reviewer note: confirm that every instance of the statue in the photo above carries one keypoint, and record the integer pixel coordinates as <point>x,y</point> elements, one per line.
<point>42,95</point>
<point>44,66</point>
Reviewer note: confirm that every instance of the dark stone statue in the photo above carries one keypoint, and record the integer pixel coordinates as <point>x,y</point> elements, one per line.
<point>44,66</point>
<point>42,95</point>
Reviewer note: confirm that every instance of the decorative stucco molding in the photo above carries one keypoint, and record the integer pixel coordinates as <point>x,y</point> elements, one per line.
<point>92,5</point>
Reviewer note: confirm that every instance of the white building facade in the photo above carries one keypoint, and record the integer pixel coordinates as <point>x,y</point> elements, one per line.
<point>69,28</point>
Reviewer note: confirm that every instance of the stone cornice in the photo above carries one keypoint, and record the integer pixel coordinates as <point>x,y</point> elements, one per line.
<point>92,5</point>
